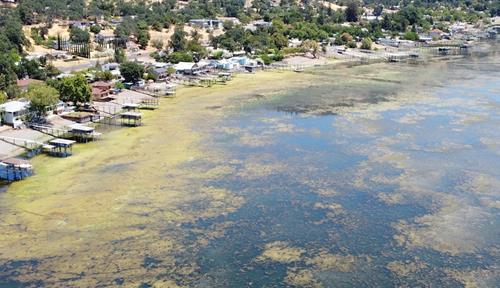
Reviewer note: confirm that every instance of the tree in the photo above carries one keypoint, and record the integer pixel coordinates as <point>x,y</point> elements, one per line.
<point>411,36</point>
<point>143,37</point>
<point>178,41</point>
<point>366,43</point>
<point>176,57</point>
<point>377,11</point>
<point>95,29</point>
<point>119,86</point>
<point>3,97</point>
<point>30,68</point>
<point>41,97</point>
<point>104,75</point>
<point>351,12</point>
<point>311,46</point>
<point>78,35</point>
<point>351,44</point>
<point>170,70</point>
<point>119,55</point>
<point>131,71</point>
<point>74,89</point>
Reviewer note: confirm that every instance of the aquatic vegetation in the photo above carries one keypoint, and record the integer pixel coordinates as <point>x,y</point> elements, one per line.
<point>280,251</point>
<point>379,175</point>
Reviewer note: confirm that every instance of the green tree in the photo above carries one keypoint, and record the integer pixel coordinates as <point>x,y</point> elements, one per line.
<point>74,89</point>
<point>176,57</point>
<point>131,71</point>
<point>3,97</point>
<point>178,41</point>
<point>119,55</point>
<point>351,44</point>
<point>366,43</point>
<point>41,97</point>
<point>143,37</point>
<point>104,75</point>
<point>411,36</point>
<point>311,46</point>
<point>170,70</point>
<point>119,85</point>
<point>78,35</point>
<point>351,12</point>
<point>95,29</point>
<point>377,11</point>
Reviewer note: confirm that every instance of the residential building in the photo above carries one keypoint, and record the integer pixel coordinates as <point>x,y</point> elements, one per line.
<point>160,73</point>
<point>101,90</point>
<point>207,23</point>
<point>13,111</point>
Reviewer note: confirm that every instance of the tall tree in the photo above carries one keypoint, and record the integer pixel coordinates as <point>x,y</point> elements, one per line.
<point>78,35</point>
<point>178,41</point>
<point>41,97</point>
<point>132,71</point>
<point>351,12</point>
<point>74,89</point>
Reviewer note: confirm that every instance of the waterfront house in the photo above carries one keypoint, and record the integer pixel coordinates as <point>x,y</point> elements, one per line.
<point>101,90</point>
<point>13,111</point>
<point>160,73</point>
<point>186,68</point>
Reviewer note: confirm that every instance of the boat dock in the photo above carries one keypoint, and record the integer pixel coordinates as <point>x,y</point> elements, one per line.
<point>13,169</point>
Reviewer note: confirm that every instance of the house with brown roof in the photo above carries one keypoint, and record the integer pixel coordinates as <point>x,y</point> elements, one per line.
<point>101,90</point>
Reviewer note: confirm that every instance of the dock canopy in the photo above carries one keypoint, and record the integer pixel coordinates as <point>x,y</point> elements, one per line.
<point>83,133</point>
<point>131,118</point>
<point>61,147</point>
<point>130,106</point>
<point>78,128</point>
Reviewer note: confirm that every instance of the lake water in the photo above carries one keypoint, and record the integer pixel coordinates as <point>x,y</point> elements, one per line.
<point>368,176</point>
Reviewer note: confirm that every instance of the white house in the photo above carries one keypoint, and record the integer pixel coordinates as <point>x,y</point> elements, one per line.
<point>207,23</point>
<point>13,111</point>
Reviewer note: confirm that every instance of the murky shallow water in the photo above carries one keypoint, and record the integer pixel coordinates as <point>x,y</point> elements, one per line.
<point>377,175</point>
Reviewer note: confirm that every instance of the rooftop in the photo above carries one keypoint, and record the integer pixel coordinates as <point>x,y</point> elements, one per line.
<point>62,142</point>
<point>81,128</point>
<point>14,106</point>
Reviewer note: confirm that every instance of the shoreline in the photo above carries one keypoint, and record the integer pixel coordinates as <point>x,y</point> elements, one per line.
<point>278,68</point>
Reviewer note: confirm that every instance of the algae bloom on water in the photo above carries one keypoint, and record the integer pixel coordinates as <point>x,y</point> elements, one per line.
<point>368,176</point>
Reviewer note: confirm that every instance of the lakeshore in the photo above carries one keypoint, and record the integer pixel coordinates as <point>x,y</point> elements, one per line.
<point>155,204</point>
